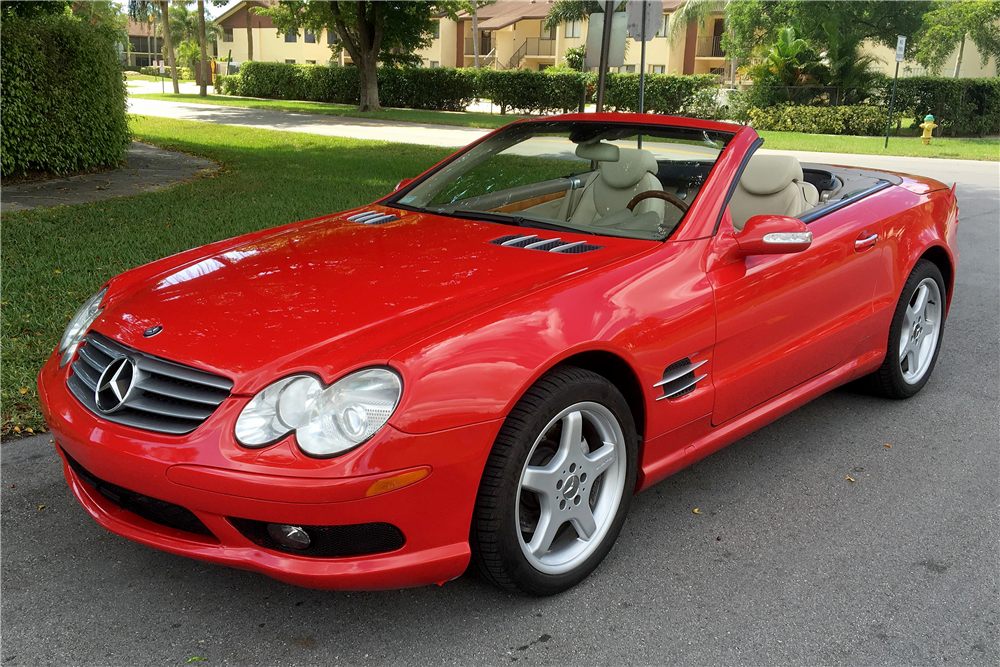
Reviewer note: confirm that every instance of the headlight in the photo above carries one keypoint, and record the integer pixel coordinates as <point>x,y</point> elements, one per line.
<point>78,326</point>
<point>326,421</point>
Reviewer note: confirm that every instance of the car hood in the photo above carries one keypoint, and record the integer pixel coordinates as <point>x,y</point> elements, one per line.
<point>327,295</point>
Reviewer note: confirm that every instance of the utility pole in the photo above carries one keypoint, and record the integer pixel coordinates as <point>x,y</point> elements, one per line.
<point>602,75</point>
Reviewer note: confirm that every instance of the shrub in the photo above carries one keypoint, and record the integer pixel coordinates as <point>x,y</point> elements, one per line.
<point>63,94</point>
<point>532,92</point>
<point>665,93</point>
<point>860,119</point>
<point>959,106</point>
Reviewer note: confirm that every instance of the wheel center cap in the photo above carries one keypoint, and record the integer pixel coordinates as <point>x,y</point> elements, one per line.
<point>917,330</point>
<point>571,487</point>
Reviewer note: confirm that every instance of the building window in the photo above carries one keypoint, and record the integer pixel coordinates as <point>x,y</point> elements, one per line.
<point>310,62</point>
<point>664,27</point>
<point>548,34</point>
<point>291,36</point>
<point>227,34</point>
<point>657,69</point>
<point>437,30</point>
<point>630,68</point>
<point>331,37</point>
<point>437,63</point>
<point>573,29</point>
<point>310,37</point>
<point>290,61</point>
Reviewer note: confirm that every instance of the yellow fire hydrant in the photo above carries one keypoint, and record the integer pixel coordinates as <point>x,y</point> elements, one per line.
<point>928,127</point>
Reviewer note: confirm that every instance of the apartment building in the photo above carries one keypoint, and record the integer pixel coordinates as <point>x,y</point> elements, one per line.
<point>512,36</point>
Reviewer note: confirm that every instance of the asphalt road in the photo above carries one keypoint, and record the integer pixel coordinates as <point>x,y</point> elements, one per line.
<point>788,562</point>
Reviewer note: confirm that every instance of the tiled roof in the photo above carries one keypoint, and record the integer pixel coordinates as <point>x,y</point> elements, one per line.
<point>507,12</point>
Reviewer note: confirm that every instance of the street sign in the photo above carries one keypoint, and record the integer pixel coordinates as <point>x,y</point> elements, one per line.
<point>900,48</point>
<point>595,31</point>
<point>654,17</point>
<point>162,68</point>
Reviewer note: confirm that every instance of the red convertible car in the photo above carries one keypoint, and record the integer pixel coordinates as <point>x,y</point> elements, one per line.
<point>489,362</point>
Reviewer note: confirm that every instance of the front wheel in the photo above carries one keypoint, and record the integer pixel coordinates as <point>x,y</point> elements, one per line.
<point>557,485</point>
<point>914,335</point>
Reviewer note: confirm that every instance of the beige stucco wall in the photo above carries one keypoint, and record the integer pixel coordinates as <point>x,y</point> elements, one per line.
<point>971,64</point>
<point>269,46</point>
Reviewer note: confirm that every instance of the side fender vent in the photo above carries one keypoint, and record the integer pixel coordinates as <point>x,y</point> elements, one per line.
<point>679,379</point>
<point>373,218</point>
<point>533,242</point>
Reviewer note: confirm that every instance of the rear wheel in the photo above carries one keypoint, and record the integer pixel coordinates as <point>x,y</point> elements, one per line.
<point>557,486</point>
<point>914,335</point>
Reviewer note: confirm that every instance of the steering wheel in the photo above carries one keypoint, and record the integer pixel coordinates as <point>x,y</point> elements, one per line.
<point>659,194</point>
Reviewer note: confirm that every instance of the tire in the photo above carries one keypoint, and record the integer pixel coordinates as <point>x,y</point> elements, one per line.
<point>915,334</point>
<point>513,545</point>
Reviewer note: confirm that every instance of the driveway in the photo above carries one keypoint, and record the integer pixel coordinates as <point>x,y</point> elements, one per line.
<point>787,563</point>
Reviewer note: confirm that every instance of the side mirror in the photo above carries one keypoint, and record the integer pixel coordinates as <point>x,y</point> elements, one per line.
<point>402,184</point>
<point>773,235</point>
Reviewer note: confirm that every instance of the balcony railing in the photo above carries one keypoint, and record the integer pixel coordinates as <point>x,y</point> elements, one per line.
<point>709,47</point>
<point>485,46</point>
<point>533,47</point>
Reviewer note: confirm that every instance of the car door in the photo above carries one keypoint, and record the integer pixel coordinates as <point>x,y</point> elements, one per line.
<point>783,319</point>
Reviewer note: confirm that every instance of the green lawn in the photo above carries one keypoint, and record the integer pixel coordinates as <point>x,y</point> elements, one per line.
<point>53,259</point>
<point>962,148</point>
<point>463,119</point>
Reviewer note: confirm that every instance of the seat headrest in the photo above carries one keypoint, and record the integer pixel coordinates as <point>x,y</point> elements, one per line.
<point>632,165</point>
<point>767,174</point>
<point>599,151</point>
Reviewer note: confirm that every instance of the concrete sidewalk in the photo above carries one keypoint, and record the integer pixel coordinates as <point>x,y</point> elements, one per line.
<point>455,137</point>
<point>147,168</point>
<point>331,126</point>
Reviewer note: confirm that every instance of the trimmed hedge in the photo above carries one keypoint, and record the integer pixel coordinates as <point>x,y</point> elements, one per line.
<point>63,94</point>
<point>959,106</point>
<point>414,88</point>
<point>532,92</point>
<point>450,89</point>
<point>860,119</point>
<point>182,72</point>
<point>692,95</point>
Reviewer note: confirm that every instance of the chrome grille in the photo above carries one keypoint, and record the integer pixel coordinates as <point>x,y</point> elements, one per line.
<point>556,245</point>
<point>373,218</point>
<point>167,397</point>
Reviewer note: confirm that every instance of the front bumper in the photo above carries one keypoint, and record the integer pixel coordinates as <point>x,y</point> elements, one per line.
<point>207,473</point>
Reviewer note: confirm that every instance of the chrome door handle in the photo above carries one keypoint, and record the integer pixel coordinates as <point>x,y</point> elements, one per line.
<point>865,243</point>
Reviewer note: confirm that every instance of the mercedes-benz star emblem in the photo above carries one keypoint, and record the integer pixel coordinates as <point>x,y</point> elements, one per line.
<point>152,331</point>
<point>115,384</point>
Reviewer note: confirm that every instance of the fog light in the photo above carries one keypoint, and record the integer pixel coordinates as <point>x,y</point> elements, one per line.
<point>293,537</point>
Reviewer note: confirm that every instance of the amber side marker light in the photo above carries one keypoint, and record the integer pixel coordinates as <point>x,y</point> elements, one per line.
<point>388,484</point>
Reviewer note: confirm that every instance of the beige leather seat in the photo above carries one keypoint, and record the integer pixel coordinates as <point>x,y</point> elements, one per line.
<point>771,185</point>
<point>624,173</point>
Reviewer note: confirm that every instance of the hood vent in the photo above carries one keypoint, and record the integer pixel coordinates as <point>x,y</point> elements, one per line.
<point>679,379</point>
<point>533,242</point>
<point>373,218</point>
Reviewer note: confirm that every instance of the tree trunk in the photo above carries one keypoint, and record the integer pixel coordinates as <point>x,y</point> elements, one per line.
<point>961,52</point>
<point>168,42</point>
<point>369,84</point>
<point>475,32</point>
<point>249,37</point>
<point>203,86</point>
<point>364,47</point>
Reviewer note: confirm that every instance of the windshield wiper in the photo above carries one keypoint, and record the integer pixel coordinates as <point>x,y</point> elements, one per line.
<point>515,220</point>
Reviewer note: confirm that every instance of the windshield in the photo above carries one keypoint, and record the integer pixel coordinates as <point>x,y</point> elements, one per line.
<point>590,177</point>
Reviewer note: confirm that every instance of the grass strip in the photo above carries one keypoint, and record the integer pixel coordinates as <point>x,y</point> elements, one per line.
<point>54,258</point>
<point>961,148</point>
<point>459,118</point>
